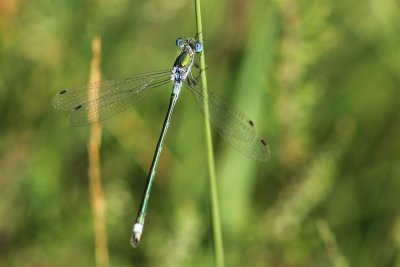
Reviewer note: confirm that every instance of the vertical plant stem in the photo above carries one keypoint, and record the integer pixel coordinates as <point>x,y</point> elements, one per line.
<point>96,192</point>
<point>215,215</point>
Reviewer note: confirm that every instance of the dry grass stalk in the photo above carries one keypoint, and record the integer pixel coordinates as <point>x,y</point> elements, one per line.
<point>96,193</point>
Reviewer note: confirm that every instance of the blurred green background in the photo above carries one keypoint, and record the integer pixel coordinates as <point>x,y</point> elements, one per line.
<point>320,79</point>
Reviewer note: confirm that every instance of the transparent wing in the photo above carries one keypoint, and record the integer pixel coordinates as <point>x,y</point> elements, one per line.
<point>230,123</point>
<point>98,101</point>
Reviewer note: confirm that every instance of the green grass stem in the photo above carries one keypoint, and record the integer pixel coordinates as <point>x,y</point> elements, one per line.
<point>215,215</point>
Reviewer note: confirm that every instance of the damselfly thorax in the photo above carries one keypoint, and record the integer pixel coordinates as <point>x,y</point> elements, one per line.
<point>184,61</point>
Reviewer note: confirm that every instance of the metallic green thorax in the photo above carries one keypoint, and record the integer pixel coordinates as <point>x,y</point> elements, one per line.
<point>183,59</point>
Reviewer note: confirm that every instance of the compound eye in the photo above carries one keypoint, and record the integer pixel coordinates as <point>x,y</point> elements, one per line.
<point>179,42</point>
<point>198,47</point>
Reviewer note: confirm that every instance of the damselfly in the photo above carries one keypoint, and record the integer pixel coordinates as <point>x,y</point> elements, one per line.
<point>113,97</point>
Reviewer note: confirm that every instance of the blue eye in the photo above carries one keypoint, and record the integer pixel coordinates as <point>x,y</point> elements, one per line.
<point>178,42</point>
<point>198,47</point>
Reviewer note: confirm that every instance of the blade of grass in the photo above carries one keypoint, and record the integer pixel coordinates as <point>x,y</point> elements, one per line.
<point>215,215</point>
<point>96,191</point>
<point>331,246</point>
<point>253,93</point>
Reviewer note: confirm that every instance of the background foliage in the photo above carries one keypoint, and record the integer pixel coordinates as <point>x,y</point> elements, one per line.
<point>320,78</point>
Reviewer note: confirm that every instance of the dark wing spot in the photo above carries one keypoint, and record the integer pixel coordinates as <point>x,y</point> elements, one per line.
<point>78,107</point>
<point>263,142</point>
<point>251,123</point>
<point>62,92</point>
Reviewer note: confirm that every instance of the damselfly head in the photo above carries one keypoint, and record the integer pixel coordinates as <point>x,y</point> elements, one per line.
<point>194,44</point>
